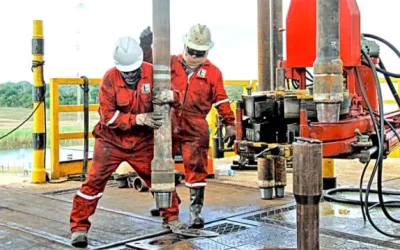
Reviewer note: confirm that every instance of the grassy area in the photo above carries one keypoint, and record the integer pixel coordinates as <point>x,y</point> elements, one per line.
<point>22,137</point>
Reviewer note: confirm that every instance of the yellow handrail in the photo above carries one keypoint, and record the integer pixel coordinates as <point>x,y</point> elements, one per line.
<point>61,169</point>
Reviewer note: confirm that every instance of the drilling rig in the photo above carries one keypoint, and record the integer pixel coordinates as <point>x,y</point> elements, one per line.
<point>340,104</point>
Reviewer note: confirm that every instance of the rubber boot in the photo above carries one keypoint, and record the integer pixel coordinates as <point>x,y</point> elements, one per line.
<point>155,212</point>
<point>79,239</point>
<point>196,204</point>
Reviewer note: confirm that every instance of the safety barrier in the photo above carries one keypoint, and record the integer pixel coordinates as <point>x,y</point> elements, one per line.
<point>62,169</point>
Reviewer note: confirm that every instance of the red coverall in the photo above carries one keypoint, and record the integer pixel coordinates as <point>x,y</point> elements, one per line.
<point>118,139</point>
<point>197,93</point>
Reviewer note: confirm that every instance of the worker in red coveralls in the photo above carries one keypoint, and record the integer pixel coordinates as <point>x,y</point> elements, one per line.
<point>124,133</point>
<point>200,85</point>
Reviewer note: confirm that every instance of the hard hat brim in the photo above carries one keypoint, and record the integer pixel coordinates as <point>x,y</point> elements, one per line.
<point>129,68</point>
<point>197,47</point>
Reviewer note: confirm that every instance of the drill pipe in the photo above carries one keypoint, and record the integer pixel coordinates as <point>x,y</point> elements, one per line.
<point>280,176</point>
<point>264,41</point>
<point>307,189</point>
<point>266,176</point>
<point>162,165</point>
<point>270,41</point>
<point>328,79</point>
<point>277,39</point>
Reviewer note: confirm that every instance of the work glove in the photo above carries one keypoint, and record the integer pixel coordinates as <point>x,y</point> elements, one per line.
<point>146,37</point>
<point>230,135</point>
<point>164,96</point>
<point>152,120</point>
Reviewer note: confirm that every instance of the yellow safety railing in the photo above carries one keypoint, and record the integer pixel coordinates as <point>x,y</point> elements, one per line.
<point>61,169</point>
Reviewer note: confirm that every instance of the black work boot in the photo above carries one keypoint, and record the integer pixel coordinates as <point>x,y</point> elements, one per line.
<point>79,239</point>
<point>196,204</point>
<point>154,211</point>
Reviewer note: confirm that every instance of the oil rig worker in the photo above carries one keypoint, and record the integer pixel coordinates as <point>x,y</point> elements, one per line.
<point>200,85</point>
<point>125,132</point>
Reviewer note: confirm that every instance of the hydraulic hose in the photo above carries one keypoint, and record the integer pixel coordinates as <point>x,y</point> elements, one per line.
<point>392,47</point>
<point>328,196</point>
<point>390,84</point>
<point>378,165</point>
<point>380,133</point>
<point>364,94</point>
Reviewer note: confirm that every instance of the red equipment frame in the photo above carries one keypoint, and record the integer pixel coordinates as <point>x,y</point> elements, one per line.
<point>301,27</point>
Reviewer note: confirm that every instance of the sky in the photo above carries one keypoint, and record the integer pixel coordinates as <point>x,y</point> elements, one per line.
<point>233,24</point>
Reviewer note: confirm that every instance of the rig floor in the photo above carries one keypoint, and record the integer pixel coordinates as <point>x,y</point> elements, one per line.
<point>37,216</point>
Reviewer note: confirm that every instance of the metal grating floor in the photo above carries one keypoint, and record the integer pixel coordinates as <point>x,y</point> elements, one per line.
<point>262,217</point>
<point>226,228</point>
<point>170,240</point>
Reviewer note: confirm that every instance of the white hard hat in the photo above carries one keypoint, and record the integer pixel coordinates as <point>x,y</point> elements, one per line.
<point>128,55</point>
<point>198,38</point>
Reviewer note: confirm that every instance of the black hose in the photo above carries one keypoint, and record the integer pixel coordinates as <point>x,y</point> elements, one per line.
<point>390,126</point>
<point>395,50</point>
<point>329,196</point>
<point>390,84</point>
<point>382,134</point>
<point>309,74</point>
<point>85,125</point>
<point>392,47</point>
<point>361,190</point>
<point>364,94</point>
<point>378,167</point>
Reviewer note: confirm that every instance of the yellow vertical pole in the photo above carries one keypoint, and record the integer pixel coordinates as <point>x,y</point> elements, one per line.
<point>328,174</point>
<point>212,124</point>
<point>39,136</point>
<point>54,133</point>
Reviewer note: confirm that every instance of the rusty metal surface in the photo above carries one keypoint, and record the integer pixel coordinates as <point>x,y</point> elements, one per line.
<point>307,189</point>
<point>328,67</point>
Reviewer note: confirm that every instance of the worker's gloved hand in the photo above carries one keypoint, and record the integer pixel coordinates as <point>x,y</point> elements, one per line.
<point>152,120</point>
<point>230,135</point>
<point>146,37</point>
<point>164,96</point>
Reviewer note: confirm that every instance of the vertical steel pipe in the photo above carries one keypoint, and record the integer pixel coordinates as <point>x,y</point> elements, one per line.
<point>307,189</point>
<point>328,67</point>
<point>162,165</point>
<point>277,41</point>
<point>264,45</point>
<point>270,42</point>
<point>266,176</point>
<point>280,176</point>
